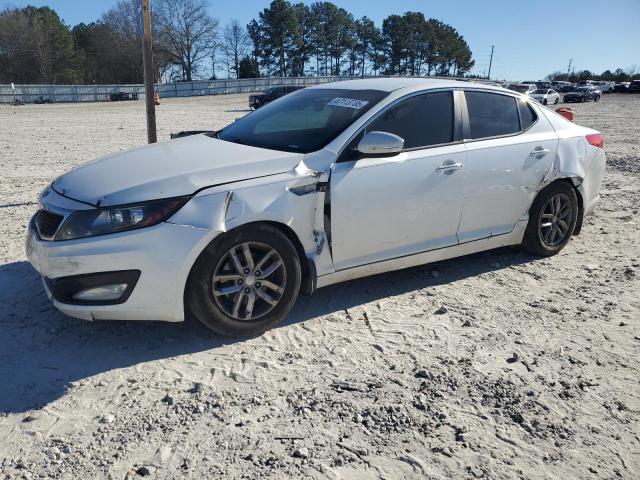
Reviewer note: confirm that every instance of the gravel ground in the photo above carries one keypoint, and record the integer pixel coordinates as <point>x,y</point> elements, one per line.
<point>495,365</point>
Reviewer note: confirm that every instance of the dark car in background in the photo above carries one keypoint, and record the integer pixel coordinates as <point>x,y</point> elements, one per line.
<point>122,96</point>
<point>622,87</point>
<point>257,100</point>
<point>582,94</point>
<point>566,88</point>
<point>634,87</point>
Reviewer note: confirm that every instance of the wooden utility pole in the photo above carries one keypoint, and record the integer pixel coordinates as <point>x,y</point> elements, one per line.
<point>147,58</point>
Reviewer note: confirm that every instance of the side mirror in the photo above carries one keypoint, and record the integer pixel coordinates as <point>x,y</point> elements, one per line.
<point>380,144</point>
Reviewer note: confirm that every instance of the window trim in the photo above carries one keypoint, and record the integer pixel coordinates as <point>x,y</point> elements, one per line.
<point>457,122</point>
<point>466,126</point>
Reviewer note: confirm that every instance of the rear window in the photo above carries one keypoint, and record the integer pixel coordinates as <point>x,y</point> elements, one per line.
<point>492,114</point>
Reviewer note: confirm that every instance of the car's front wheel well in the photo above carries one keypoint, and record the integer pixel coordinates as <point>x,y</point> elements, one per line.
<point>308,268</point>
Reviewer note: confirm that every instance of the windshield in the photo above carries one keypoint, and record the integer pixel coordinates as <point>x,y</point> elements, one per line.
<point>304,121</point>
<point>540,91</point>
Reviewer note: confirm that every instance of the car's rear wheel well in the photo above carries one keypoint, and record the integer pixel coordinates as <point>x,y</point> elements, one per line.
<point>575,183</point>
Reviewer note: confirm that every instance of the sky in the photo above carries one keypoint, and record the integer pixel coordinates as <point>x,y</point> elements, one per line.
<point>531,38</point>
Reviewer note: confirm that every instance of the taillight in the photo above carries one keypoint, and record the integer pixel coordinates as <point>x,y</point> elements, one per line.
<point>596,140</point>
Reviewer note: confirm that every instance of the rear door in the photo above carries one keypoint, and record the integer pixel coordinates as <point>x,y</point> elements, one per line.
<point>387,207</point>
<point>510,149</point>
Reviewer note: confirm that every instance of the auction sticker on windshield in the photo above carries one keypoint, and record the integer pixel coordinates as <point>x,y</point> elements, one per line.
<point>348,103</point>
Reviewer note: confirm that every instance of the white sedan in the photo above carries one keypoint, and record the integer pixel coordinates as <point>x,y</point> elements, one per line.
<point>327,184</point>
<point>546,96</point>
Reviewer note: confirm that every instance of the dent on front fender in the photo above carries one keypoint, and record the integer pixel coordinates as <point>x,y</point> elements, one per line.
<point>290,198</point>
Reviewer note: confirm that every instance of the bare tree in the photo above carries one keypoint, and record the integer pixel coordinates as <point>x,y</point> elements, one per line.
<point>235,45</point>
<point>188,33</point>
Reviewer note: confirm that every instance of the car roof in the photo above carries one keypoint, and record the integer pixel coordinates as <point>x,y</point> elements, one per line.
<point>409,83</point>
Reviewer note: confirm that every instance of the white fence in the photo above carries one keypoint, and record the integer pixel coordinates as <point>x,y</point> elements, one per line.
<point>100,93</point>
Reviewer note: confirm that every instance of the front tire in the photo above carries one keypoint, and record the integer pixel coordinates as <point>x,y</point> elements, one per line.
<point>552,219</point>
<point>245,281</point>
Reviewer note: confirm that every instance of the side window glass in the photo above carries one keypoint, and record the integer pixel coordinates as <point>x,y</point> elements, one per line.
<point>421,121</point>
<point>492,114</point>
<point>527,116</point>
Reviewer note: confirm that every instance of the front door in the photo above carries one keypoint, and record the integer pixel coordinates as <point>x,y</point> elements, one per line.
<point>383,208</point>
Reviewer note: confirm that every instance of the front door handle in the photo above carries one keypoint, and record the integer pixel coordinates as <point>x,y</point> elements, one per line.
<point>539,152</point>
<point>447,167</point>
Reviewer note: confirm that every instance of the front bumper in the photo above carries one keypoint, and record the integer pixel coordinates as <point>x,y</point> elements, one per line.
<point>163,254</point>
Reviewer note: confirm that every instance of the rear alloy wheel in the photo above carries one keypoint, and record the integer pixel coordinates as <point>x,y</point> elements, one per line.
<point>245,281</point>
<point>552,219</point>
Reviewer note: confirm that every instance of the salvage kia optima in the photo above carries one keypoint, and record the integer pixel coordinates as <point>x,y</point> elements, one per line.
<point>327,184</point>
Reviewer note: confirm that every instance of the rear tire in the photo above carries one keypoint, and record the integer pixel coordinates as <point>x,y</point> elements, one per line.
<point>557,101</point>
<point>544,102</point>
<point>238,294</point>
<point>552,219</point>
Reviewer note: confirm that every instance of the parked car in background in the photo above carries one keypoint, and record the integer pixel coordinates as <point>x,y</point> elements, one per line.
<point>545,96</point>
<point>582,94</point>
<point>622,87</point>
<point>566,88</point>
<point>634,87</point>
<point>558,85</point>
<point>42,100</point>
<point>122,96</point>
<point>332,183</point>
<point>522,87</point>
<point>257,100</point>
<point>604,87</point>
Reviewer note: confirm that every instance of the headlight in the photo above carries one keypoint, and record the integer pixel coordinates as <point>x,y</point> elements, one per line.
<point>100,221</point>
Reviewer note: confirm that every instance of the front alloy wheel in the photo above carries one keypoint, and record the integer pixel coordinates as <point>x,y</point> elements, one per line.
<point>245,281</point>
<point>249,281</point>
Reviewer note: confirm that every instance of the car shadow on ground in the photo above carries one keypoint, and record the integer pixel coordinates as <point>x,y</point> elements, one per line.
<point>42,351</point>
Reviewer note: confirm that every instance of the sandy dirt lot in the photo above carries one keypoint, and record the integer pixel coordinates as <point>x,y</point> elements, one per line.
<point>530,371</point>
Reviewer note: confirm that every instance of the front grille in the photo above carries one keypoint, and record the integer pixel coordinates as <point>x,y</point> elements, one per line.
<point>47,223</point>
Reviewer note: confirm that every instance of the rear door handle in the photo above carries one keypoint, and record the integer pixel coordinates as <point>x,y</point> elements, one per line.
<point>446,167</point>
<point>539,152</point>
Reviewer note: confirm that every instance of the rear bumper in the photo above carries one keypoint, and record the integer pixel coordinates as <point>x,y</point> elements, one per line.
<point>163,255</point>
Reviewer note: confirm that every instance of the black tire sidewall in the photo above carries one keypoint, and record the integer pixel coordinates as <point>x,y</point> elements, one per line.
<point>198,295</point>
<point>532,240</point>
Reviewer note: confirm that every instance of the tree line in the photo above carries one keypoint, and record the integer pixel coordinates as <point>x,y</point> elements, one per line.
<point>285,39</point>
<point>618,75</point>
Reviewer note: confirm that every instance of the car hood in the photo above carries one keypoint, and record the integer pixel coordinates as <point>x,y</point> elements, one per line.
<point>170,169</point>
